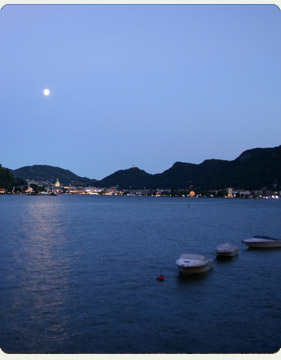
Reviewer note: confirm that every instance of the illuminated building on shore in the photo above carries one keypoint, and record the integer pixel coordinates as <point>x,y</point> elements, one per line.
<point>230,192</point>
<point>57,183</point>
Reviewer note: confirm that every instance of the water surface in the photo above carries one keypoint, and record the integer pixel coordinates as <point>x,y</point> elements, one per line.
<point>78,275</point>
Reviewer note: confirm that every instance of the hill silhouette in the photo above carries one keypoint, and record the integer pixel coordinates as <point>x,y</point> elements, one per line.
<point>50,174</point>
<point>130,178</point>
<point>7,180</point>
<point>253,169</point>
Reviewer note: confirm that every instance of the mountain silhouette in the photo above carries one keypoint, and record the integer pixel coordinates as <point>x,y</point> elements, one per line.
<point>253,169</point>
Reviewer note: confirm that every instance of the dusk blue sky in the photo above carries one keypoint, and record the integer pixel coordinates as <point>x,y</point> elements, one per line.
<point>137,84</point>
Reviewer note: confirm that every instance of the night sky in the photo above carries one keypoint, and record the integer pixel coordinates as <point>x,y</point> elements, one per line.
<point>147,85</point>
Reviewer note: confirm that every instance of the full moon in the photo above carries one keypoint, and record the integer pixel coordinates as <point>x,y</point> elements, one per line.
<point>46,92</point>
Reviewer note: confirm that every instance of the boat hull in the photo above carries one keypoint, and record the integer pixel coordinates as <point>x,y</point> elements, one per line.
<point>226,250</point>
<point>227,253</point>
<point>195,270</point>
<point>262,245</point>
<point>189,264</point>
<point>262,242</point>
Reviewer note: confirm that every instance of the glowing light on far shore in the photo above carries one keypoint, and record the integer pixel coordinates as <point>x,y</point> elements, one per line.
<point>46,92</point>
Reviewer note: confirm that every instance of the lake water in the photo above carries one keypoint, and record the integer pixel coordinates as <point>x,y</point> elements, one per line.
<point>78,275</point>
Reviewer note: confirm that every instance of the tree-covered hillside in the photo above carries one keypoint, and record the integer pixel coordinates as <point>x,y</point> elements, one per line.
<point>51,174</point>
<point>7,180</point>
<point>252,170</point>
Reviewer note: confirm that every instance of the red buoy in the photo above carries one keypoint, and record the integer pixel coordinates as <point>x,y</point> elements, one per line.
<point>160,278</point>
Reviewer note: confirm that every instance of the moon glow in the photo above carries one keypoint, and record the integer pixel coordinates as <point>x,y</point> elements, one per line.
<point>46,92</point>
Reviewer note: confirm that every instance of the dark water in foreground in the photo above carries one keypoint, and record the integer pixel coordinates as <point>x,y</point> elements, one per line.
<point>78,275</point>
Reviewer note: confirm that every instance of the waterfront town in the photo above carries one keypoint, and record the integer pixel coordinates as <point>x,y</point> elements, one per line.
<point>33,187</point>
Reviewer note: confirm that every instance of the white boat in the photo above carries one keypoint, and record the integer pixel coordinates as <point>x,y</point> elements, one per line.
<point>259,241</point>
<point>189,264</point>
<point>226,250</point>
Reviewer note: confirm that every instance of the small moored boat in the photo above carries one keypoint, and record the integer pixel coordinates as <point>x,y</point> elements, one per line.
<point>260,241</point>
<point>189,264</point>
<point>226,250</point>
